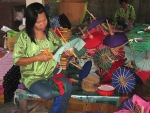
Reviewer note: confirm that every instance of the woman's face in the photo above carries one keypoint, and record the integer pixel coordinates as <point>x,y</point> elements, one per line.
<point>124,5</point>
<point>41,22</point>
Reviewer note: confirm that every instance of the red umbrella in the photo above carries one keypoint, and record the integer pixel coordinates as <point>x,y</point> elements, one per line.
<point>144,75</point>
<point>114,66</point>
<point>93,38</point>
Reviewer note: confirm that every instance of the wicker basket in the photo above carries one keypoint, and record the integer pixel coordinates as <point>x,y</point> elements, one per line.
<point>64,63</point>
<point>90,83</point>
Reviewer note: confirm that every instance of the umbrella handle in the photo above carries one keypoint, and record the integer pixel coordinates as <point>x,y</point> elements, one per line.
<point>102,29</point>
<point>109,58</point>
<point>61,35</point>
<point>142,109</point>
<point>90,36</point>
<point>72,50</point>
<point>91,15</point>
<point>76,65</point>
<point>146,57</point>
<point>110,30</point>
<point>81,31</point>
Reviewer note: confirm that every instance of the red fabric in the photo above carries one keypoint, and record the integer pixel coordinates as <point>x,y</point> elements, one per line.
<point>60,84</point>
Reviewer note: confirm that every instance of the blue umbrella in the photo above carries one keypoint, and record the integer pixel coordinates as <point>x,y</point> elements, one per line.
<point>85,70</point>
<point>124,80</point>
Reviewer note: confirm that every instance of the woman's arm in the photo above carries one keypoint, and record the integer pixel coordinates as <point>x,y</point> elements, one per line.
<point>28,60</point>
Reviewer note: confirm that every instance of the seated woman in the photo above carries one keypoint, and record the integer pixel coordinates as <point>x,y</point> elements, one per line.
<point>125,15</point>
<point>38,68</point>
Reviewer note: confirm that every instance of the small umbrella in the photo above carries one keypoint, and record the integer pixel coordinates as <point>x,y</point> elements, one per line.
<point>142,60</point>
<point>103,58</point>
<point>127,104</point>
<point>117,39</point>
<point>85,70</point>
<point>113,68</point>
<point>144,75</point>
<point>114,39</point>
<point>93,39</point>
<point>135,104</point>
<point>123,80</point>
<point>96,22</point>
<point>118,52</point>
<point>140,44</point>
<point>128,54</point>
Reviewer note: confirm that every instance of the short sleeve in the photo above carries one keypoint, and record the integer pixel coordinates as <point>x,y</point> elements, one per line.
<point>20,47</point>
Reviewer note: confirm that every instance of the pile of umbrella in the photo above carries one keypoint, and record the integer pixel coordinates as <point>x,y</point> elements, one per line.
<point>110,55</point>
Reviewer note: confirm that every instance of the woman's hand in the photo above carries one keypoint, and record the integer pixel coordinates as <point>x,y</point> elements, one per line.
<point>43,57</point>
<point>67,53</point>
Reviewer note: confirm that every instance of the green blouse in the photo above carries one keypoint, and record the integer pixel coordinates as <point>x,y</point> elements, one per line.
<point>37,70</point>
<point>129,14</point>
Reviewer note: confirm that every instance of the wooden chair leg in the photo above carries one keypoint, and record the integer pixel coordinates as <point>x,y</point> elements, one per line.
<point>23,106</point>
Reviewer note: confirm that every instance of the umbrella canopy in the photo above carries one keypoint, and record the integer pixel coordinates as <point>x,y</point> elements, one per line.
<point>96,22</point>
<point>117,39</point>
<point>144,75</point>
<point>142,60</point>
<point>123,80</point>
<point>85,70</point>
<point>103,58</point>
<point>93,39</point>
<point>140,45</point>
<point>118,52</point>
<point>127,104</point>
<point>135,104</point>
<point>114,66</point>
<point>128,54</point>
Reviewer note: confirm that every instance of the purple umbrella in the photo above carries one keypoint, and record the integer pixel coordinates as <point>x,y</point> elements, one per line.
<point>96,22</point>
<point>128,104</point>
<point>117,39</point>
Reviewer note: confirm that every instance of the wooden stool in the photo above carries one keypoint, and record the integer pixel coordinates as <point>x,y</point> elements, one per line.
<point>24,105</point>
<point>29,103</point>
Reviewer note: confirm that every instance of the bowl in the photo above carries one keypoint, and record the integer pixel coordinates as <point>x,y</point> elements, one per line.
<point>106,90</point>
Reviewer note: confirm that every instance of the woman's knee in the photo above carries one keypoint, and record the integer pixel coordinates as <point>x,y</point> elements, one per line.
<point>47,95</point>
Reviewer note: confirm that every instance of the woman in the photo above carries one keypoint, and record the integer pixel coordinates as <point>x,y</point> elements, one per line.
<point>37,68</point>
<point>125,15</point>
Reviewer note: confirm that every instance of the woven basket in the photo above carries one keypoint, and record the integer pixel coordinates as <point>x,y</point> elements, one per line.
<point>90,83</point>
<point>64,63</point>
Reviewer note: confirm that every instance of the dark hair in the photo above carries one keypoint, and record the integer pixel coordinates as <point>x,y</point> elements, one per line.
<point>121,1</point>
<point>31,15</point>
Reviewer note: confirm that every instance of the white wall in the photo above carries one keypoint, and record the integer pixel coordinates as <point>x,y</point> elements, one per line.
<point>31,1</point>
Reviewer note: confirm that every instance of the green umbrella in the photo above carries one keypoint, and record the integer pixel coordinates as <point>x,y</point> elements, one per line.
<point>103,58</point>
<point>142,60</point>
